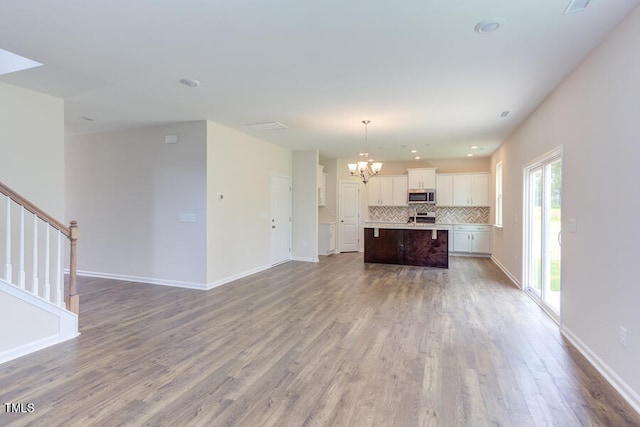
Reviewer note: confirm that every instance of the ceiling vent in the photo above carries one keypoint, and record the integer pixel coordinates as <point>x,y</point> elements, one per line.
<point>267,126</point>
<point>576,6</point>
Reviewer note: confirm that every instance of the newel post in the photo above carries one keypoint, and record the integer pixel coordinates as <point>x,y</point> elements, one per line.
<point>73,299</point>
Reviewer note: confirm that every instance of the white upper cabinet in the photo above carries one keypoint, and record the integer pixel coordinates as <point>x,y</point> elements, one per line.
<point>480,189</point>
<point>470,189</point>
<point>400,190</point>
<point>423,178</point>
<point>387,191</point>
<point>444,190</point>
<point>461,190</point>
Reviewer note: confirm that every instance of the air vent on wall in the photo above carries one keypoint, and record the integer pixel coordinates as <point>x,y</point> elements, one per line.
<point>576,6</point>
<point>267,126</point>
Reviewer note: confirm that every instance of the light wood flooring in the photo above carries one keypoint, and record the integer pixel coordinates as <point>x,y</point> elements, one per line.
<point>337,343</point>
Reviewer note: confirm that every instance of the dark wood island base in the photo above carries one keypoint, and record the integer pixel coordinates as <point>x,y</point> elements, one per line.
<point>407,247</point>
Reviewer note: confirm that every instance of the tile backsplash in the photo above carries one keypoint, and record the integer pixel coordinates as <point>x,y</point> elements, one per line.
<point>444,215</point>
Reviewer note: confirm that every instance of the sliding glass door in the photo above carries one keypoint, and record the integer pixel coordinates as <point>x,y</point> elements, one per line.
<point>543,236</point>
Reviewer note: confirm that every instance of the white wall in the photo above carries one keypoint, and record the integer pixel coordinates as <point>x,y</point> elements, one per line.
<point>305,205</point>
<point>32,147</point>
<point>238,229</point>
<point>595,114</point>
<point>127,189</point>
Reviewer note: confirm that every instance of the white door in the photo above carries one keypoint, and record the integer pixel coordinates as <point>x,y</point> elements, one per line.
<point>349,210</point>
<point>280,221</point>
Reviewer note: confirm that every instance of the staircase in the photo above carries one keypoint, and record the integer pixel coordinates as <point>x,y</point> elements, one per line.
<point>36,309</point>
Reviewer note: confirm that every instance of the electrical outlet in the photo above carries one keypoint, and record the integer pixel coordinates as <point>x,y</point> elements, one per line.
<point>623,336</point>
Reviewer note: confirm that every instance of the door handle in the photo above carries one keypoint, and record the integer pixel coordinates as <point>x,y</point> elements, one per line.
<point>559,238</point>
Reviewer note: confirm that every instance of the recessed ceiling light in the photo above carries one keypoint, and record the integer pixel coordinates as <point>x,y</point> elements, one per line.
<point>414,151</point>
<point>88,118</point>
<point>469,154</point>
<point>488,25</point>
<point>474,147</point>
<point>190,82</point>
<point>417,157</point>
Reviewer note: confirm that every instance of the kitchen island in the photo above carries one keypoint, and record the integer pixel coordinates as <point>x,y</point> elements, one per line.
<point>424,245</point>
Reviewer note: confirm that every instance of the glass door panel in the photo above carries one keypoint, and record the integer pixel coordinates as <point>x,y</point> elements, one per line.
<point>552,234</point>
<point>543,219</point>
<point>534,283</point>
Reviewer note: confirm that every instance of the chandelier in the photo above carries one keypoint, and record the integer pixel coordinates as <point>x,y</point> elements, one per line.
<point>363,168</point>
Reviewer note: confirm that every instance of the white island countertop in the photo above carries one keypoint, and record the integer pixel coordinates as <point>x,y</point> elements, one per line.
<point>407,226</point>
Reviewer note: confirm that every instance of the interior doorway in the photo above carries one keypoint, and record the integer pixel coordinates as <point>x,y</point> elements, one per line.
<point>543,232</point>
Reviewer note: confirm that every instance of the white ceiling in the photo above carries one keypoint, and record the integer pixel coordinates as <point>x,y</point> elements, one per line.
<point>415,68</point>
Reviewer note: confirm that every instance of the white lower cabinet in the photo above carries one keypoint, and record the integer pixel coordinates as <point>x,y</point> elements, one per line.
<point>326,239</point>
<point>473,239</point>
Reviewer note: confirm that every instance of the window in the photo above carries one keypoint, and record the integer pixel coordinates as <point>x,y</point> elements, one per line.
<point>499,194</point>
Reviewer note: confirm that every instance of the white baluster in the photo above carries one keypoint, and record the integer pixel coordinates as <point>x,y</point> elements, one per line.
<point>59,274</point>
<point>7,265</point>
<point>35,286</point>
<point>22,275</point>
<point>47,255</point>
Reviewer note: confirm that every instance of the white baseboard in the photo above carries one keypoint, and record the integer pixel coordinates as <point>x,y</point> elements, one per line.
<point>515,282</point>
<point>14,353</point>
<point>306,259</point>
<point>622,387</point>
<point>150,280</point>
<point>175,283</point>
<point>226,280</point>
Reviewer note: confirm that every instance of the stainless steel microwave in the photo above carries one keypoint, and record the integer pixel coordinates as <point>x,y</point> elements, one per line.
<point>422,196</point>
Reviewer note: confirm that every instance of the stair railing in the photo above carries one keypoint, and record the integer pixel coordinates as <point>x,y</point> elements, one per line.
<point>14,202</point>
